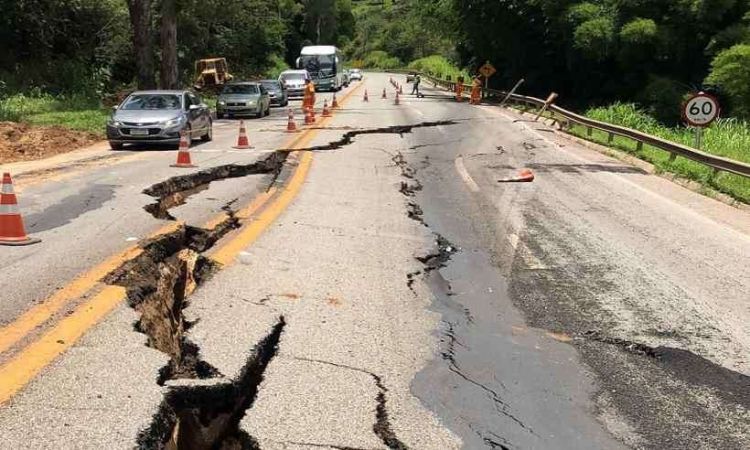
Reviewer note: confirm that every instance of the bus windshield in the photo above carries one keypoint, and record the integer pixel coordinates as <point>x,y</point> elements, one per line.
<point>320,65</point>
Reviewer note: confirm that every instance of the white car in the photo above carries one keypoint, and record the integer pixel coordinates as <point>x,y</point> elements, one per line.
<point>355,74</point>
<point>294,81</point>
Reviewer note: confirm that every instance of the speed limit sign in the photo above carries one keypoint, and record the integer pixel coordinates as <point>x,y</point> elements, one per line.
<point>701,109</point>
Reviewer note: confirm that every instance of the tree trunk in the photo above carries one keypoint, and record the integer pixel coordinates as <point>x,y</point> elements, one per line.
<point>140,21</point>
<point>169,44</point>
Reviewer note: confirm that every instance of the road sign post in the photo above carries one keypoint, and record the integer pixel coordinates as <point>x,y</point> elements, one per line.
<point>487,70</point>
<point>700,111</point>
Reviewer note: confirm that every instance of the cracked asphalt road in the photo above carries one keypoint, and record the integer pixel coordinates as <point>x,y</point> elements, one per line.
<point>403,300</point>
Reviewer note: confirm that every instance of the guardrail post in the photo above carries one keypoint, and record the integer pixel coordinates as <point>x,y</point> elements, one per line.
<point>672,157</point>
<point>610,138</point>
<point>639,146</point>
<point>512,91</point>
<point>589,131</point>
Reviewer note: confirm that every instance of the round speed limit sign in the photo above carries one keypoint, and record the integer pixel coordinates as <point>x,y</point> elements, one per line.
<point>701,109</point>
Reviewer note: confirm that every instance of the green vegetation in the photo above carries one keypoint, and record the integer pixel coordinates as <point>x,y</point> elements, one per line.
<point>75,112</point>
<point>728,137</point>
<point>438,66</point>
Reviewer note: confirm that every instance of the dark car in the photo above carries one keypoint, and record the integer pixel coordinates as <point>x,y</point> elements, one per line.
<point>158,117</point>
<point>277,92</point>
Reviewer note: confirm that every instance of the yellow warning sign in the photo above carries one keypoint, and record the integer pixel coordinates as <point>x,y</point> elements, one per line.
<point>487,70</point>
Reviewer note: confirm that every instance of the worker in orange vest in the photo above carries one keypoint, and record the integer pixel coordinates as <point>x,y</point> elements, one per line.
<point>476,91</point>
<point>308,100</point>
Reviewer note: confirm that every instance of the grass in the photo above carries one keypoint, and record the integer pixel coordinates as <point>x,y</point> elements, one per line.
<point>728,138</point>
<point>74,112</point>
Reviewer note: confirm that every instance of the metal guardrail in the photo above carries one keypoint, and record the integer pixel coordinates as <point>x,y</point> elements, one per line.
<point>566,118</point>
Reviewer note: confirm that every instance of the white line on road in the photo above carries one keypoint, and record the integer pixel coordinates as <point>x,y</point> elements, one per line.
<point>461,169</point>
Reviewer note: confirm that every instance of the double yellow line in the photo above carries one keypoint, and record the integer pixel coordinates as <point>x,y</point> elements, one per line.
<point>31,359</point>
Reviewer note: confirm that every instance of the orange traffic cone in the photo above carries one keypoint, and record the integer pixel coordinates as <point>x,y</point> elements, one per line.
<point>243,143</point>
<point>365,99</point>
<point>183,154</point>
<point>335,103</point>
<point>312,114</point>
<point>384,94</point>
<point>326,111</point>
<point>524,176</point>
<point>291,127</point>
<point>12,231</point>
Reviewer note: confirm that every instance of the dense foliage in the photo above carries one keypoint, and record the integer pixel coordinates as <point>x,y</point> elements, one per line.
<point>596,51</point>
<point>85,46</point>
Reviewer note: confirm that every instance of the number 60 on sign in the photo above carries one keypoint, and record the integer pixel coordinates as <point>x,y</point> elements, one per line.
<point>701,109</point>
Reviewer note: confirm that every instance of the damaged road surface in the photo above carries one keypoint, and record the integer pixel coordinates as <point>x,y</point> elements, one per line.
<point>367,284</point>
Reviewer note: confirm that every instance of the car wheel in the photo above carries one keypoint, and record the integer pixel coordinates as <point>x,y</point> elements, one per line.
<point>209,136</point>
<point>115,145</point>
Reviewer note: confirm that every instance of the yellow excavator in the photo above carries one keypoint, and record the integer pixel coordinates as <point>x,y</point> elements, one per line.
<point>211,74</point>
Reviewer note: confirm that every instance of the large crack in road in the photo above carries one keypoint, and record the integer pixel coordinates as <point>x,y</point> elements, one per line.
<point>194,414</point>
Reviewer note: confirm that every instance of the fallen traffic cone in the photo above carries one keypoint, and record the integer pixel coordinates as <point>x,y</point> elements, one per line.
<point>291,127</point>
<point>183,154</point>
<point>384,94</point>
<point>335,103</point>
<point>12,231</point>
<point>243,143</point>
<point>524,176</point>
<point>326,111</point>
<point>365,99</point>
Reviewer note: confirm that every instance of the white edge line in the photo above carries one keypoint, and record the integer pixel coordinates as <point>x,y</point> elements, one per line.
<point>461,169</point>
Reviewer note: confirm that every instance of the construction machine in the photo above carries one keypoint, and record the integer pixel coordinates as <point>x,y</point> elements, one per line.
<point>211,74</point>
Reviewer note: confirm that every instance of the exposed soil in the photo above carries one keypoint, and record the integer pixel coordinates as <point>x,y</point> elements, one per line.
<point>24,142</point>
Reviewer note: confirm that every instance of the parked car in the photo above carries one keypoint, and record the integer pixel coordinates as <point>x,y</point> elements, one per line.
<point>355,74</point>
<point>158,117</point>
<point>277,91</point>
<point>243,98</point>
<point>294,81</point>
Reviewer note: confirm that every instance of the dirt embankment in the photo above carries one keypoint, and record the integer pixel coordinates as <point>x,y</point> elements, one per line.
<point>23,142</point>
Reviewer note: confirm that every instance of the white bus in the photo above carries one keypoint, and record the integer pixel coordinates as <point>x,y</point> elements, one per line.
<point>325,64</point>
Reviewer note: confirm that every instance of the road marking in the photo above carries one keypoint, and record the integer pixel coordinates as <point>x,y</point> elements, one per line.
<point>461,169</point>
<point>27,364</point>
<point>29,361</point>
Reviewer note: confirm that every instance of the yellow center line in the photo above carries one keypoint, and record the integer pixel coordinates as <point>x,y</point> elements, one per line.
<point>24,366</point>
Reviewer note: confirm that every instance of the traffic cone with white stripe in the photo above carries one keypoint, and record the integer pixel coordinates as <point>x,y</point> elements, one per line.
<point>183,154</point>
<point>308,116</point>
<point>12,231</point>
<point>326,111</point>
<point>291,126</point>
<point>243,143</point>
<point>335,103</point>
<point>365,99</point>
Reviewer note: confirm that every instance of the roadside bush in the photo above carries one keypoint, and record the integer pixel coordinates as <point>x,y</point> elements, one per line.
<point>663,98</point>
<point>277,65</point>
<point>731,71</point>
<point>381,60</point>
<point>438,66</point>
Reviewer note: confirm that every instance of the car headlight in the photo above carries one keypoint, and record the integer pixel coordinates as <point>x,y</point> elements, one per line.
<point>114,123</point>
<point>222,103</point>
<point>250,102</point>
<point>173,122</point>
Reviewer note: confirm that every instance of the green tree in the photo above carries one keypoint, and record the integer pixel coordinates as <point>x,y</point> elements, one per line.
<point>731,71</point>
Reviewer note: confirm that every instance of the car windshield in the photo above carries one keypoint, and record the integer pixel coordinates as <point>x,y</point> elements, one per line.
<point>272,85</point>
<point>292,76</point>
<point>240,89</point>
<point>152,101</point>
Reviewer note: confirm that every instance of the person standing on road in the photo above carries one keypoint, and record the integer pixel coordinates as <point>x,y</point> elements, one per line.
<point>309,95</point>
<point>415,89</point>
